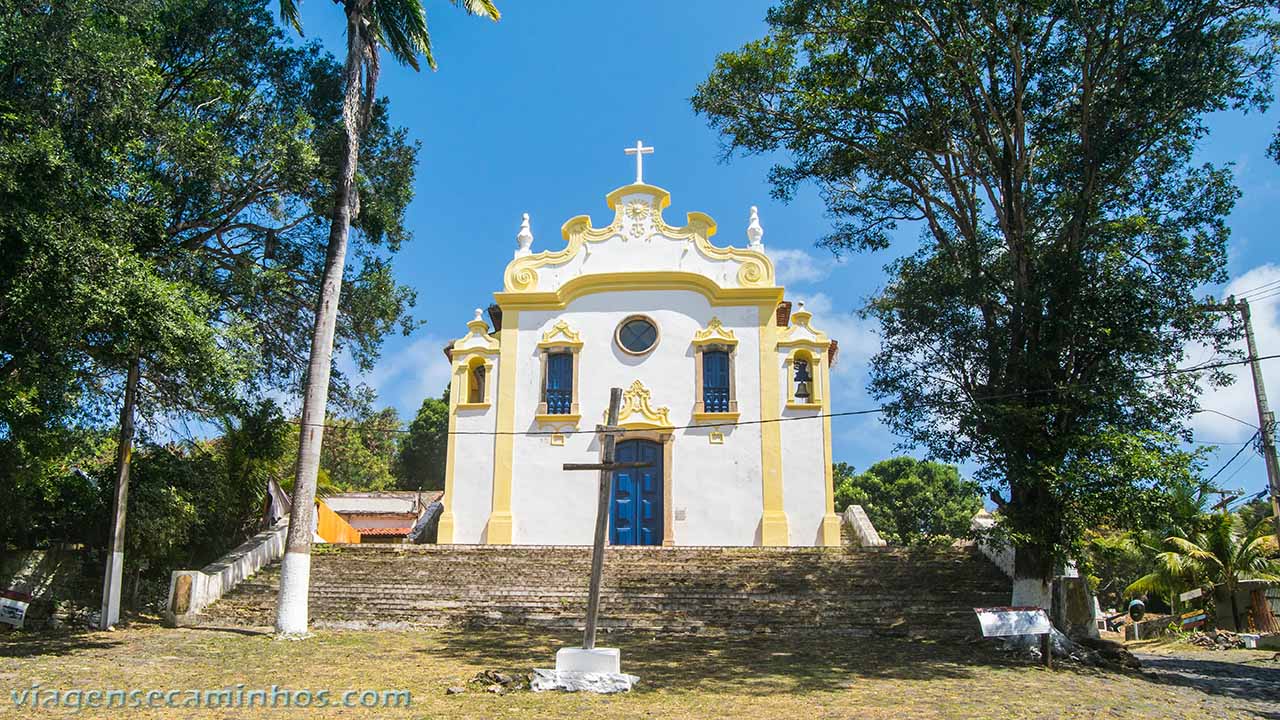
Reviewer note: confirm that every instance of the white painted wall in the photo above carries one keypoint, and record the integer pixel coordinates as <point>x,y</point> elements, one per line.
<point>718,486</point>
<point>473,467</point>
<point>804,494</point>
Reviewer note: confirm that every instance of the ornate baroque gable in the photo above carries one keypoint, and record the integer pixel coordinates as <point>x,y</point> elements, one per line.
<point>639,240</point>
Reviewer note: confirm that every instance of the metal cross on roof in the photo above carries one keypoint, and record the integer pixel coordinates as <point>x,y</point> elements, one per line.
<point>639,151</point>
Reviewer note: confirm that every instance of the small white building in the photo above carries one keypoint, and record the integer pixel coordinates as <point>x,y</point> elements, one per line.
<point>726,392</point>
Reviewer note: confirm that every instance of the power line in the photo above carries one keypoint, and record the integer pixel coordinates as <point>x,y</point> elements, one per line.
<point>1268,296</point>
<point>850,413</point>
<point>1233,458</point>
<point>1242,466</point>
<point>1229,417</point>
<point>1260,287</point>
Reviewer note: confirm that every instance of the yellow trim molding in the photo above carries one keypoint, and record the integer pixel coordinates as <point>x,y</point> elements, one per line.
<point>793,405</point>
<point>476,341</point>
<point>567,420</point>
<point>791,337</point>
<point>469,365</point>
<point>715,333</point>
<point>500,527</point>
<point>635,401</point>
<point>817,382</point>
<point>571,338</point>
<point>773,520</point>
<point>714,417</point>
<point>830,521</point>
<point>639,219</point>
<point>764,297</point>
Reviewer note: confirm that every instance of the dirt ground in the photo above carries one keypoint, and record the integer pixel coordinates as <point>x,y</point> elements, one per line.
<point>760,677</point>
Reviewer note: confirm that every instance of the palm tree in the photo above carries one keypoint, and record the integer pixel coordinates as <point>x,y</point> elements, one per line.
<point>1226,553</point>
<point>400,26</point>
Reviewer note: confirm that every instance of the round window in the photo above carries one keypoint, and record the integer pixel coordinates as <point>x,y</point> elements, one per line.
<point>637,335</point>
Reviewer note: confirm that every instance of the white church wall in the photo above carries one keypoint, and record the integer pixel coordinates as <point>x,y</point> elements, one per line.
<point>473,474</point>
<point>717,486</point>
<point>804,494</point>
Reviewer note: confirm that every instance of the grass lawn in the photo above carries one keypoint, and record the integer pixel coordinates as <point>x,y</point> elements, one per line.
<point>759,677</point>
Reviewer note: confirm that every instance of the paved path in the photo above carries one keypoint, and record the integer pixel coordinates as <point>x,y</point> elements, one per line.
<point>1252,678</point>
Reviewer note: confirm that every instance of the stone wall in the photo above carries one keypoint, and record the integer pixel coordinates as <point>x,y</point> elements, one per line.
<point>55,579</point>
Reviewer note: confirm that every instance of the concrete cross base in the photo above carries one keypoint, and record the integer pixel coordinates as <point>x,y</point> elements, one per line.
<point>570,681</point>
<point>595,660</point>
<point>597,670</point>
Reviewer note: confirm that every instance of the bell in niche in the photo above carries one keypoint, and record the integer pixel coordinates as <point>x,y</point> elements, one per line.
<point>802,380</point>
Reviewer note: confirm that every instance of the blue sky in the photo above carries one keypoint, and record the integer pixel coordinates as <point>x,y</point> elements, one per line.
<point>532,114</point>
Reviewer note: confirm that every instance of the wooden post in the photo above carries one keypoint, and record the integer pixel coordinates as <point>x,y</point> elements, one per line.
<point>115,550</point>
<point>607,443</point>
<point>1046,648</point>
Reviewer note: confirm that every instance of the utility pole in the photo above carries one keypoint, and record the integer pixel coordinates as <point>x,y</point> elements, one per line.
<point>1266,418</point>
<point>115,553</point>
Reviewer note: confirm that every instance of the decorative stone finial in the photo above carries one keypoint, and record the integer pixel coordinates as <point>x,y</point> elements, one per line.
<point>754,231</point>
<point>800,306</point>
<point>524,239</point>
<point>480,313</point>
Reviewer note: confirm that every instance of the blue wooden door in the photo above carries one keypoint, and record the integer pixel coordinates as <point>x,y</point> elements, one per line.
<point>635,510</point>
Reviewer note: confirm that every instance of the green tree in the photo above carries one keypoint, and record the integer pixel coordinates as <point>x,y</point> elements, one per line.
<point>359,451</point>
<point>401,27</point>
<point>1228,551</point>
<point>165,171</point>
<point>424,449</point>
<point>910,502</point>
<point>1044,150</point>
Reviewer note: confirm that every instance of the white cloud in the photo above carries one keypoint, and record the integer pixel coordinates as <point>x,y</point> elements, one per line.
<point>405,377</point>
<point>1237,399</point>
<point>797,267</point>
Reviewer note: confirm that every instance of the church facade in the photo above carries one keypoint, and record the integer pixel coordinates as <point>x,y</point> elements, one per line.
<point>726,392</point>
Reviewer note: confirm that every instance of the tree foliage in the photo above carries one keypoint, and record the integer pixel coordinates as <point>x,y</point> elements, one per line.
<point>1228,550</point>
<point>164,173</point>
<point>424,449</point>
<point>359,452</point>
<point>909,501</point>
<point>1044,151</point>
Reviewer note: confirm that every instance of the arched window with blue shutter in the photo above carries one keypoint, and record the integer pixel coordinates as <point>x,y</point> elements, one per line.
<point>559,390</point>
<point>715,381</point>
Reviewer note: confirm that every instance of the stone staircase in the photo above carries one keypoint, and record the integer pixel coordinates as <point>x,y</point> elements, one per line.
<point>912,593</point>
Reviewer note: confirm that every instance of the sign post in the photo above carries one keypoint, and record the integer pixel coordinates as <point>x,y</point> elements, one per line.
<point>1018,620</point>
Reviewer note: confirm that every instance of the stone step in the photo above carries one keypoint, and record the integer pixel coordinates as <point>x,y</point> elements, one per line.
<point>892,591</point>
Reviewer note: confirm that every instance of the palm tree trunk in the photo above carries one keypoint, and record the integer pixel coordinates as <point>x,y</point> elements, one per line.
<point>295,570</point>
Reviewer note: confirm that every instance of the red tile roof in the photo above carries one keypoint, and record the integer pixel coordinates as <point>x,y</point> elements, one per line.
<point>384,531</point>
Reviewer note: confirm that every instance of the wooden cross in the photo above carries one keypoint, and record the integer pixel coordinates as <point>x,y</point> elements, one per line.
<point>608,439</point>
<point>639,151</point>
